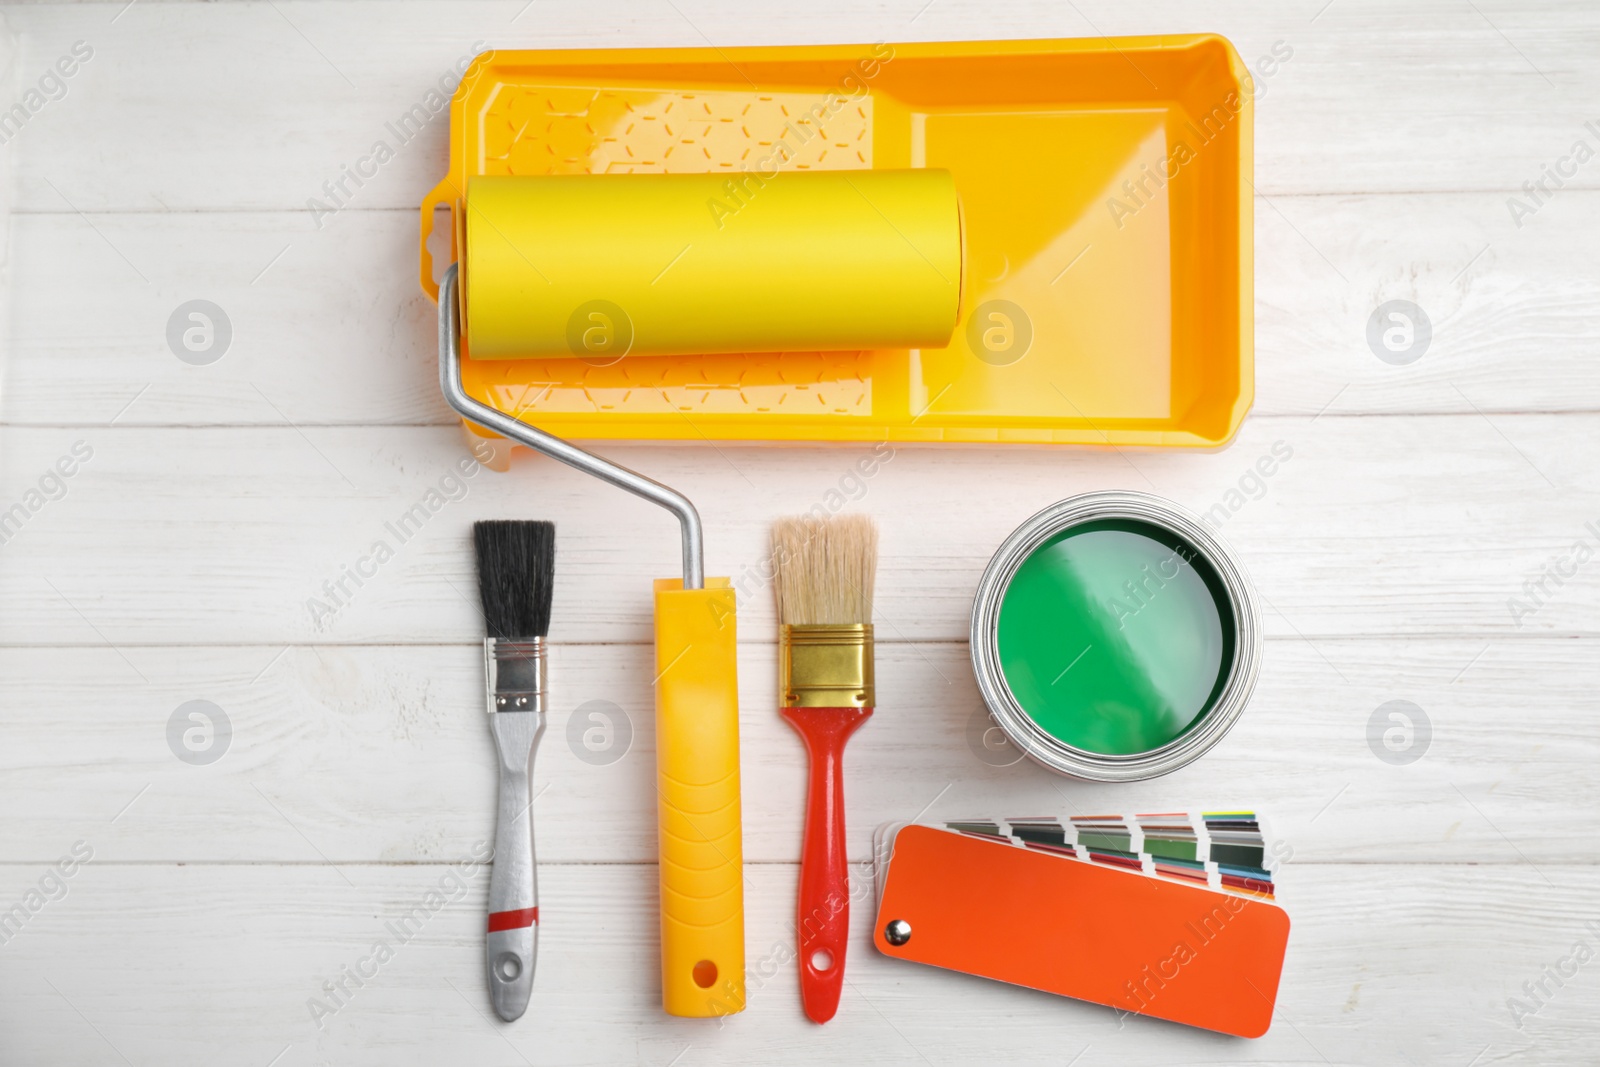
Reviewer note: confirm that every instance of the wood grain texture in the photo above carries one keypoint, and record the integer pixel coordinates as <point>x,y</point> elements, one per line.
<point>1420,544</point>
<point>360,755</point>
<point>1386,964</point>
<point>1510,312</point>
<point>1402,525</point>
<point>1358,108</point>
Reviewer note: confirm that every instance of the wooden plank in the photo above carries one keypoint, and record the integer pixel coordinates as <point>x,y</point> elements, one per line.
<point>1403,525</point>
<point>1385,963</point>
<point>1512,315</point>
<point>277,98</point>
<point>321,328</point>
<point>376,755</point>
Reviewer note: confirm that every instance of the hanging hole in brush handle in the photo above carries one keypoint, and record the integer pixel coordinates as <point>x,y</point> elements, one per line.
<point>512,939</point>
<point>823,914</point>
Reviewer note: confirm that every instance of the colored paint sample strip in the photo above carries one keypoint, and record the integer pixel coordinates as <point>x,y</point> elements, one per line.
<point>1223,850</point>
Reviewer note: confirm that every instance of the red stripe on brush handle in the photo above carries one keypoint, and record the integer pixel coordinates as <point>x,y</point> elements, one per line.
<point>513,920</point>
<point>824,912</point>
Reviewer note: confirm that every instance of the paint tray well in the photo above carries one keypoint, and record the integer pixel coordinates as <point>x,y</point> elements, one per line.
<point>1106,197</point>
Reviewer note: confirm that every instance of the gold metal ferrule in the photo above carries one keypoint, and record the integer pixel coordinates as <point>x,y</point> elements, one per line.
<point>825,666</point>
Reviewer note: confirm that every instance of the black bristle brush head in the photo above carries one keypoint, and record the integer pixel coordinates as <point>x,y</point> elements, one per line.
<point>516,572</point>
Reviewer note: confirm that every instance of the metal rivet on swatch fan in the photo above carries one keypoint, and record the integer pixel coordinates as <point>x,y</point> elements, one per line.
<point>898,932</point>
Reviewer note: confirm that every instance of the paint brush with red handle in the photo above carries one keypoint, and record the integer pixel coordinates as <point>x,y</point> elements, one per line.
<point>824,573</point>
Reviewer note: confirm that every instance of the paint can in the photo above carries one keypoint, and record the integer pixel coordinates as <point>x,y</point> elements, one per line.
<point>1114,637</point>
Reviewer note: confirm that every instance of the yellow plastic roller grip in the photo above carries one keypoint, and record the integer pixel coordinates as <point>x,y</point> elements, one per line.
<point>697,777</point>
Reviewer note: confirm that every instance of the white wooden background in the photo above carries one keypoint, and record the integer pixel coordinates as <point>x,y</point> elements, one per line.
<point>218,499</point>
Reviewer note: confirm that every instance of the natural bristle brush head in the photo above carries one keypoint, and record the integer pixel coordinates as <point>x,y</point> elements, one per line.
<point>516,573</point>
<point>824,569</point>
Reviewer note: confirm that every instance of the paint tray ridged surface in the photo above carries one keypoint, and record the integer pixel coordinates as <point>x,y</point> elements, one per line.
<point>1106,203</point>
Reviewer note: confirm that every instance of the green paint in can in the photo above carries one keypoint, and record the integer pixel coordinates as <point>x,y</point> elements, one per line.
<point>1116,636</point>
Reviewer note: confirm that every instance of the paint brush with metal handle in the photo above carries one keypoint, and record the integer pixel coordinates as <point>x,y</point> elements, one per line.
<point>825,569</point>
<point>700,832</point>
<point>516,569</point>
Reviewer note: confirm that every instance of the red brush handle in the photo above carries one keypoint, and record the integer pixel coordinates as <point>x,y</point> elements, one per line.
<point>824,913</point>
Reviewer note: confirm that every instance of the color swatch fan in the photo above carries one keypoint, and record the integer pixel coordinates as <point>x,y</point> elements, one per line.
<point>1171,916</point>
<point>1221,849</point>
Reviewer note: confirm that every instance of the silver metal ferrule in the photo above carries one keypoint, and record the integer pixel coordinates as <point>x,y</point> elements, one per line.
<point>514,674</point>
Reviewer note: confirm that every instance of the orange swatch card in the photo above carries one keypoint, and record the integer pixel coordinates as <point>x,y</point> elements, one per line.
<point>1137,943</point>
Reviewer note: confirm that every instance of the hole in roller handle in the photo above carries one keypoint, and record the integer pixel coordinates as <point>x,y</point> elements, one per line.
<point>694,575</point>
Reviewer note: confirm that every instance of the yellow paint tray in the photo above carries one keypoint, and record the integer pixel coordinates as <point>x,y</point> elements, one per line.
<point>1106,196</point>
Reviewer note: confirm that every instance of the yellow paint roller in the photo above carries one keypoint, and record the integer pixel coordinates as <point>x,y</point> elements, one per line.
<point>666,264</point>
<point>607,266</point>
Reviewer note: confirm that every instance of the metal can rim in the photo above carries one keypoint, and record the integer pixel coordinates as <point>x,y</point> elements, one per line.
<point>1019,726</point>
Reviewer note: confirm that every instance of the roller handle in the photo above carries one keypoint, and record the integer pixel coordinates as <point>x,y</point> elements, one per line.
<point>700,838</point>
<point>512,941</point>
<point>823,916</point>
